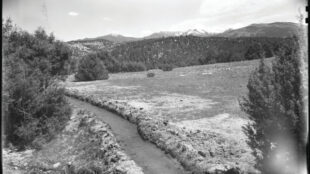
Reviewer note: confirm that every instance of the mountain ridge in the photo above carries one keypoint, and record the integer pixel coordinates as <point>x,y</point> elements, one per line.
<point>274,29</point>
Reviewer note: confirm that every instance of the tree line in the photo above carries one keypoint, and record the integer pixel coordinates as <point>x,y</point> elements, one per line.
<point>187,51</point>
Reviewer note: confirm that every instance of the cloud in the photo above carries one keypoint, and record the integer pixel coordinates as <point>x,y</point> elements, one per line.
<point>72,13</point>
<point>215,16</point>
<point>211,8</point>
<point>215,8</point>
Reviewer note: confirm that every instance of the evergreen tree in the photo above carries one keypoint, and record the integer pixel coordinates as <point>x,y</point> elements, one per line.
<point>275,106</point>
<point>35,106</point>
<point>258,105</point>
<point>255,51</point>
<point>91,68</point>
<point>289,94</point>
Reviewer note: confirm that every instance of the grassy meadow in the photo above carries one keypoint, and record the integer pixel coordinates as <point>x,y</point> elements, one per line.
<point>197,97</point>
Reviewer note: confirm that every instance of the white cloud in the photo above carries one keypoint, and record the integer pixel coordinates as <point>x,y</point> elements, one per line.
<point>215,16</point>
<point>72,13</point>
<point>215,8</point>
<point>136,17</point>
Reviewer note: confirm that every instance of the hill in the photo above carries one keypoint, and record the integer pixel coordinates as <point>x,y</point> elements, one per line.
<point>114,38</point>
<point>80,48</point>
<point>193,50</point>
<point>190,32</point>
<point>191,47</point>
<point>277,29</point>
<point>92,44</point>
<point>162,34</point>
<point>117,38</point>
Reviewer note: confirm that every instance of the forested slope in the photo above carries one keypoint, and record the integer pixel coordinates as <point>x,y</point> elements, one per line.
<point>192,50</point>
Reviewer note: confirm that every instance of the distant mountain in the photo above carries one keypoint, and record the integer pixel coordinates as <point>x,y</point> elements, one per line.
<point>111,41</point>
<point>190,32</point>
<point>162,34</point>
<point>196,32</point>
<point>117,38</point>
<point>277,29</point>
<point>185,48</point>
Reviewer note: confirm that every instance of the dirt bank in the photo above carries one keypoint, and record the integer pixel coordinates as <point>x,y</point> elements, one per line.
<point>199,152</point>
<point>86,143</point>
<point>145,154</point>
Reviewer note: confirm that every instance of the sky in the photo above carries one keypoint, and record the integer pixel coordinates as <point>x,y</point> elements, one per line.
<point>77,19</point>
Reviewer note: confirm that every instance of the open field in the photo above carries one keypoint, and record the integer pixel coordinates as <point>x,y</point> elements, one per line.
<point>200,104</point>
<point>201,93</point>
<point>181,94</point>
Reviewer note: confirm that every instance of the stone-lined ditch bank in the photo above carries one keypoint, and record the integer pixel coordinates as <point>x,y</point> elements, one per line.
<point>150,158</point>
<point>199,152</point>
<point>85,145</point>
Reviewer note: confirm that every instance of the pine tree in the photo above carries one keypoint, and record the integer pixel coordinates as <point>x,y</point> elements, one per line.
<point>275,106</point>
<point>289,95</point>
<point>91,68</point>
<point>258,105</point>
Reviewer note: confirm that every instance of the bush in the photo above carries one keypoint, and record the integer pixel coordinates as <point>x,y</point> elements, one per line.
<point>166,67</point>
<point>110,62</point>
<point>89,170</point>
<point>150,74</point>
<point>255,51</point>
<point>133,66</point>
<point>43,115</point>
<point>91,68</point>
<point>35,105</point>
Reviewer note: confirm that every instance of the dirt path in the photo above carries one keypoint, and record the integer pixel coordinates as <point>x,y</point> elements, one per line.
<point>145,154</point>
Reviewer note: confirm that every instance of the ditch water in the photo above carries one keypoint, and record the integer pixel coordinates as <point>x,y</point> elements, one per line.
<point>144,153</point>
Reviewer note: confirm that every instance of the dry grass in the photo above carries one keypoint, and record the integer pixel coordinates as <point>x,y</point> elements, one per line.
<point>186,96</point>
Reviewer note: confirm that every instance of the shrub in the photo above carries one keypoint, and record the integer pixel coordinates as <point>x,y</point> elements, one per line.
<point>166,67</point>
<point>150,74</point>
<point>133,66</point>
<point>255,51</point>
<point>89,169</point>
<point>44,116</point>
<point>91,68</point>
<point>36,107</point>
<point>110,62</point>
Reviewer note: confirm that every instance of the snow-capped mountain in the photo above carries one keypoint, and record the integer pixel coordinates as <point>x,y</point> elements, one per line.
<point>276,29</point>
<point>193,32</point>
<point>163,34</point>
